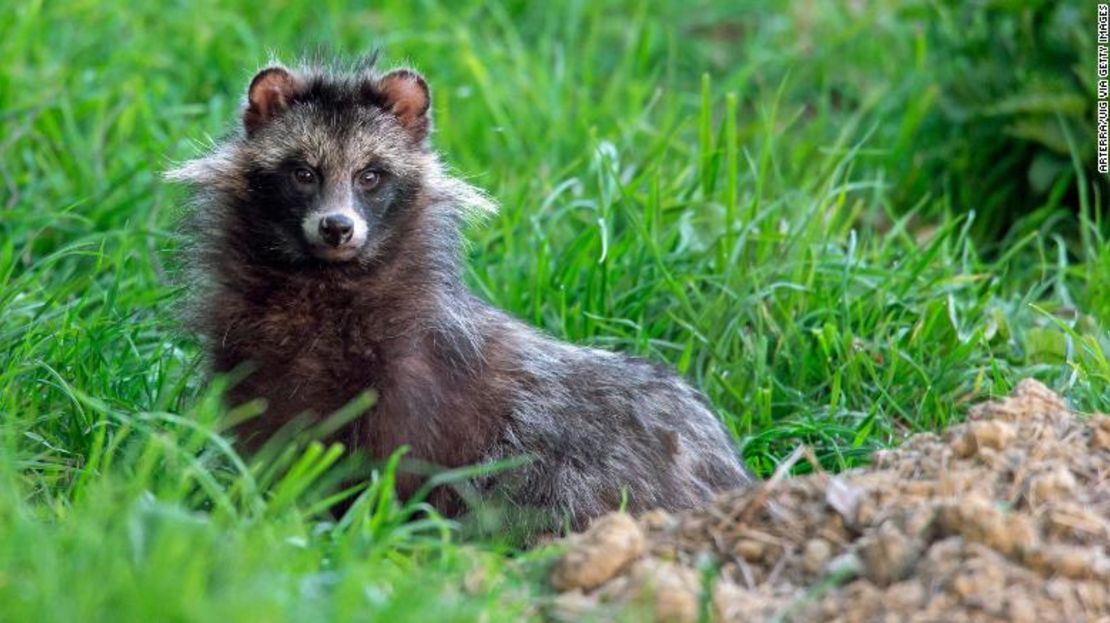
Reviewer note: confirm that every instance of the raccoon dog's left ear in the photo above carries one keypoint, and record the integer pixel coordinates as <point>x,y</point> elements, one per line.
<point>272,91</point>
<point>406,95</point>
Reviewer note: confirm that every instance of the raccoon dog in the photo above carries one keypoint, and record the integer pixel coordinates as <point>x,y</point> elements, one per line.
<point>326,234</point>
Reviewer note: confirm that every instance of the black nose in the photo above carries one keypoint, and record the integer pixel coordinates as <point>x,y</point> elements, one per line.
<point>336,229</point>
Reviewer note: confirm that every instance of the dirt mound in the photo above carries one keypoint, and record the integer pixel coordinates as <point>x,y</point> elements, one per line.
<point>1003,518</point>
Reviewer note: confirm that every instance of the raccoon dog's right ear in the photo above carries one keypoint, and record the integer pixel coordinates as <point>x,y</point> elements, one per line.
<point>272,91</point>
<point>405,94</point>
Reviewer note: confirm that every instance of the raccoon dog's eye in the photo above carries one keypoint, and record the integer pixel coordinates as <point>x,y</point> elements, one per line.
<point>368,179</point>
<point>304,177</point>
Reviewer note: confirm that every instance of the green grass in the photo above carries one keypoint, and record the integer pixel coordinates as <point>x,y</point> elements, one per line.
<point>713,187</point>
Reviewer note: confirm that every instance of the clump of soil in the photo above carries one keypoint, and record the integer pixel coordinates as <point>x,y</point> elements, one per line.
<point>1003,518</point>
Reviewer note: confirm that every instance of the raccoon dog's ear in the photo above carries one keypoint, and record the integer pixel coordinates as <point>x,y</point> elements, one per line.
<point>406,95</point>
<point>272,91</point>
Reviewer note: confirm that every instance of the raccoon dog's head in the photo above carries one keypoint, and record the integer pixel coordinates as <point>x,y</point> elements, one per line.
<point>327,164</point>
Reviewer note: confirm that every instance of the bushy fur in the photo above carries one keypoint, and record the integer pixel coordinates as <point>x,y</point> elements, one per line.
<point>458,381</point>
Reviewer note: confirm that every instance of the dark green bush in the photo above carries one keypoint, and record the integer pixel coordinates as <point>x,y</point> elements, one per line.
<point>1014,115</point>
